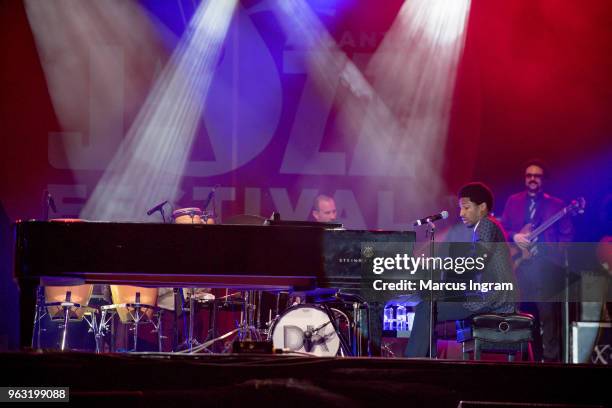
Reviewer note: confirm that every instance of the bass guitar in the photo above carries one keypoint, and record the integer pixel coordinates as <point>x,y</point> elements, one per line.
<point>521,254</point>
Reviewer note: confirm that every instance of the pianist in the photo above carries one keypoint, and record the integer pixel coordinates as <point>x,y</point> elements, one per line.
<point>488,240</point>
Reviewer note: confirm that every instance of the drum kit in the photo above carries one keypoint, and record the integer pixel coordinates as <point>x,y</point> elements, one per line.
<point>333,325</point>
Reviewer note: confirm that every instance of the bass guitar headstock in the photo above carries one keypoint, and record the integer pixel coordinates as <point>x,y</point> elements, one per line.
<point>577,206</point>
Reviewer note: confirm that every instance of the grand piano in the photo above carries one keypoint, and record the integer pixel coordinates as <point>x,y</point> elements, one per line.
<point>177,255</point>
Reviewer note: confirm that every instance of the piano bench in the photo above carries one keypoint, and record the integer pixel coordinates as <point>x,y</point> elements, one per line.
<point>495,333</point>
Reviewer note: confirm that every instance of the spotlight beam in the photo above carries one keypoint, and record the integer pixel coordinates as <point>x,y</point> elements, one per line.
<point>402,119</point>
<point>149,164</point>
<point>414,72</point>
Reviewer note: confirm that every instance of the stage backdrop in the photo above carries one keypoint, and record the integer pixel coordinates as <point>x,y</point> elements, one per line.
<point>533,80</point>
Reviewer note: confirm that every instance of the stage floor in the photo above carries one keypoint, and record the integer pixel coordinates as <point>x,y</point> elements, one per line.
<point>146,379</point>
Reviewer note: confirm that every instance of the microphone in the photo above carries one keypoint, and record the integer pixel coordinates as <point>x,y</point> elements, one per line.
<point>158,207</point>
<point>440,216</point>
<point>209,198</point>
<point>50,201</point>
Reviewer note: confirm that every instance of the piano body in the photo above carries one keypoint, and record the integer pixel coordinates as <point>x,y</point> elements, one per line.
<point>199,255</point>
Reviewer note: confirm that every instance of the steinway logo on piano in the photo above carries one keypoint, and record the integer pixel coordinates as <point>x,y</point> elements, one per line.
<point>367,251</point>
<point>350,260</point>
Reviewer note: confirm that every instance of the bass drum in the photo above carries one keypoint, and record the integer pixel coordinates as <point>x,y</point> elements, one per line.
<point>305,329</point>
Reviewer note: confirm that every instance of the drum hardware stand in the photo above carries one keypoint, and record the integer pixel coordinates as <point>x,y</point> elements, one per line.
<point>206,344</point>
<point>271,320</point>
<point>92,327</point>
<point>246,328</point>
<point>368,317</point>
<point>356,332</point>
<point>179,302</point>
<point>138,317</point>
<point>213,319</point>
<point>39,314</point>
<point>66,305</point>
<point>105,319</point>
<point>344,346</point>
<point>357,305</point>
<point>258,309</point>
<point>190,341</point>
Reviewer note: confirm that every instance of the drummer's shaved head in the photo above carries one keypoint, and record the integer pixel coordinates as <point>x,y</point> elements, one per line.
<point>324,208</point>
<point>319,198</point>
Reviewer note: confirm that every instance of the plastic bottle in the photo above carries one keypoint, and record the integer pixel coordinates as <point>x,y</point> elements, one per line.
<point>389,318</point>
<point>400,314</point>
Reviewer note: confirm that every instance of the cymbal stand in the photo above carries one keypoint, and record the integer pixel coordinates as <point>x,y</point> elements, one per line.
<point>258,309</point>
<point>356,330</point>
<point>40,313</point>
<point>247,330</point>
<point>271,320</point>
<point>213,321</point>
<point>361,309</point>
<point>191,341</point>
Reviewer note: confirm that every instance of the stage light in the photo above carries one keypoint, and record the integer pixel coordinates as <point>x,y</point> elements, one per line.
<point>329,68</point>
<point>150,162</point>
<point>401,117</point>
<point>443,21</point>
<point>414,72</point>
<point>96,57</point>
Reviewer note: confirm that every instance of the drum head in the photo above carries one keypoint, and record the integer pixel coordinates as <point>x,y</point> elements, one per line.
<point>186,211</point>
<point>306,329</point>
<point>79,294</point>
<point>191,215</point>
<point>124,294</point>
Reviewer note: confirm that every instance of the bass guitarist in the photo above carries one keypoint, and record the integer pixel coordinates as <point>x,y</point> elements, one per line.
<point>540,272</point>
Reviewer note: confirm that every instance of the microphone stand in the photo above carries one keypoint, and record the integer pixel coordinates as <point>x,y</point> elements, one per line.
<point>160,208</point>
<point>47,203</point>
<point>431,232</point>
<point>565,311</point>
<point>214,208</point>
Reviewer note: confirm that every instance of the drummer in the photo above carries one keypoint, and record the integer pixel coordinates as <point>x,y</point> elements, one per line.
<point>324,210</point>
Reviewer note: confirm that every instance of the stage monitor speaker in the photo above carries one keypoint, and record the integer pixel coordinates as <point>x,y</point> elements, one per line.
<point>591,343</point>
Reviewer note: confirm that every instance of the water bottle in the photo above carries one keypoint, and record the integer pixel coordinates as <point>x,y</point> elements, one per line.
<point>388,318</point>
<point>400,315</point>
